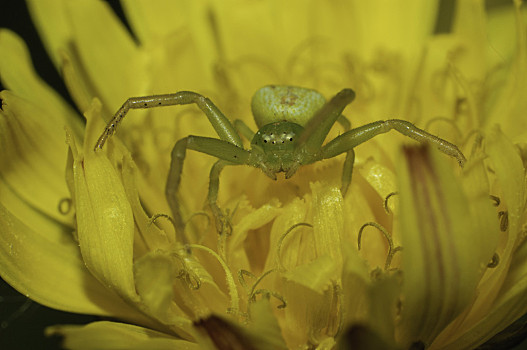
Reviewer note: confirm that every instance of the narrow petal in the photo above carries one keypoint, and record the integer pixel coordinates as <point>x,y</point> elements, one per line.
<point>243,251</point>
<point>153,23</point>
<point>309,316</point>
<point>53,24</point>
<point>33,155</point>
<point>327,221</point>
<point>79,87</point>
<point>104,222</point>
<point>323,211</point>
<point>510,305</point>
<point>18,75</point>
<point>181,39</point>
<point>405,34</point>
<point>264,327</point>
<point>107,51</point>
<point>153,237</point>
<point>368,301</point>
<point>355,281</point>
<point>510,103</point>
<point>317,275</point>
<point>383,295</point>
<point>442,263</point>
<point>106,335</point>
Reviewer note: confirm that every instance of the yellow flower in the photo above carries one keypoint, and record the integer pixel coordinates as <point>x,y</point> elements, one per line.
<point>442,265</point>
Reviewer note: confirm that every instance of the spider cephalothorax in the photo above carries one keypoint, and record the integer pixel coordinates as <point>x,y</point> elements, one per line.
<point>274,145</point>
<point>293,124</point>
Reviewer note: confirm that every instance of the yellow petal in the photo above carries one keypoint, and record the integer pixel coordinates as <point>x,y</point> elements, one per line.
<point>392,26</point>
<point>501,297</point>
<point>149,234</point>
<point>355,281</point>
<point>442,260</point>
<point>76,82</point>
<point>33,155</point>
<point>106,335</point>
<point>469,26</point>
<point>45,265</point>
<point>17,74</point>
<point>383,295</point>
<point>112,61</point>
<point>316,275</point>
<point>264,327</point>
<point>510,305</point>
<point>366,301</point>
<point>327,221</point>
<point>153,23</point>
<point>104,222</point>
<point>511,178</point>
<point>154,275</point>
<point>323,211</point>
<point>309,316</point>
<point>243,251</point>
<point>53,24</point>
<point>288,249</point>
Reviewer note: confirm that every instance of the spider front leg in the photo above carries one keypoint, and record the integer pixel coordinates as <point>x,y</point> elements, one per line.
<point>228,154</point>
<point>347,141</point>
<point>220,123</point>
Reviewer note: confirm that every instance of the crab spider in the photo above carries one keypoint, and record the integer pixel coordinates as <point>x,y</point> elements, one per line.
<point>293,123</point>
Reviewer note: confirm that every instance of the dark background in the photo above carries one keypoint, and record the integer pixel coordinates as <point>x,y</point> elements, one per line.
<point>22,322</point>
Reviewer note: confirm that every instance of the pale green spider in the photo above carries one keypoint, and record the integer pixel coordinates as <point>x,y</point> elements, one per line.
<point>293,123</point>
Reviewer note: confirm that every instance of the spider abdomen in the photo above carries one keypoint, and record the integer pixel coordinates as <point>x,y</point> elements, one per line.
<point>290,103</point>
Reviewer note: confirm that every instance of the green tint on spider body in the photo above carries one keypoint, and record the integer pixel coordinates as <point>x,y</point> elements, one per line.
<point>274,103</point>
<point>277,136</point>
<point>274,146</point>
<point>293,124</point>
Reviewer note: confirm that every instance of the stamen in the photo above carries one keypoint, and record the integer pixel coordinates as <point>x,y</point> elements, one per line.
<point>260,279</point>
<point>494,261</point>
<point>64,206</point>
<point>503,215</point>
<point>281,241</point>
<point>192,279</point>
<point>226,222</point>
<point>193,282</point>
<point>241,277</point>
<point>391,249</point>
<point>253,292</point>
<point>504,220</point>
<point>269,293</point>
<point>386,208</point>
<point>496,200</point>
<point>165,216</point>
<point>153,220</point>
